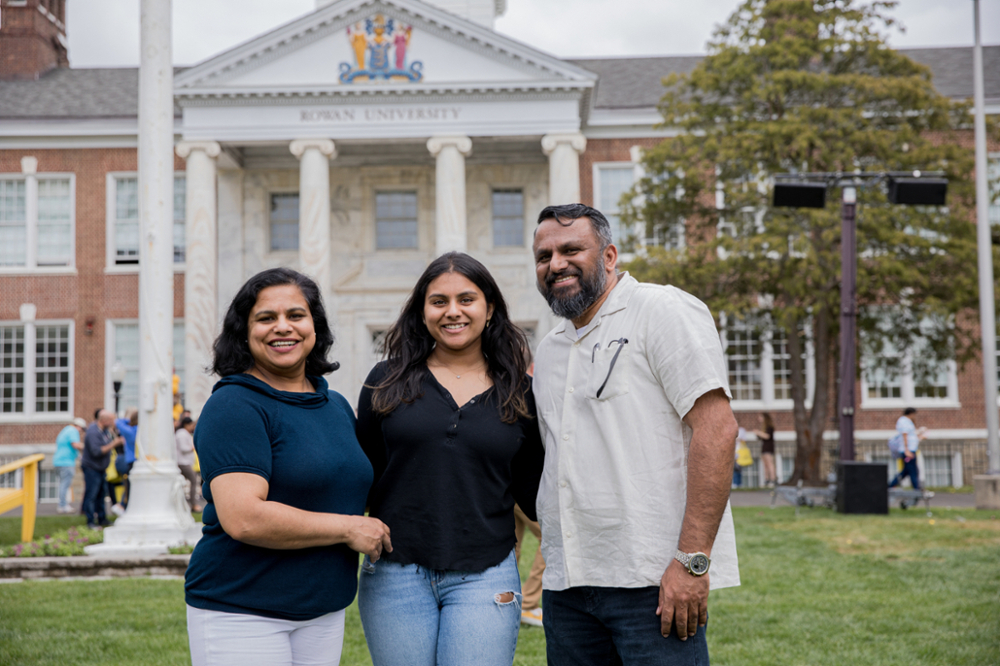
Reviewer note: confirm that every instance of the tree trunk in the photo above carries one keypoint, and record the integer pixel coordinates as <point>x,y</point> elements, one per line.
<point>809,433</point>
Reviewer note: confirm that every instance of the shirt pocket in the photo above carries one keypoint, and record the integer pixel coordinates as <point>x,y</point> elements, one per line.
<point>609,371</point>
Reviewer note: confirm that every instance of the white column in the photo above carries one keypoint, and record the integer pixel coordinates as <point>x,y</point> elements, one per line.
<point>201,322</point>
<point>314,207</point>
<point>231,271</point>
<point>450,229</point>
<point>564,151</point>
<point>157,514</point>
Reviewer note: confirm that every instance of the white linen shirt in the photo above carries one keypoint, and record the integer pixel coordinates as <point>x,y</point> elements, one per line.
<point>614,485</point>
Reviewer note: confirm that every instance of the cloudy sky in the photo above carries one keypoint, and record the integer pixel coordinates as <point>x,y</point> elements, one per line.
<point>105,33</point>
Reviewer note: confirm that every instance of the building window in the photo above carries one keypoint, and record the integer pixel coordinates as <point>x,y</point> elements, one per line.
<point>12,366</point>
<point>395,220</point>
<point>508,218</point>
<point>742,346</point>
<point>759,364</point>
<point>123,205</point>
<point>936,471</point>
<point>126,226</point>
<point>38,383</point>
<point>180,215</point>
<point>890,378</point>
<point>52,389</point>
<point>378,343</point>
<point>284,221</point>
<point>36,221</point>
<point>125,350</point>
<point>613,180</point>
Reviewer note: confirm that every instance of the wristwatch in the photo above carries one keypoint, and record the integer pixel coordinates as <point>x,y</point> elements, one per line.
<point>696,563</point>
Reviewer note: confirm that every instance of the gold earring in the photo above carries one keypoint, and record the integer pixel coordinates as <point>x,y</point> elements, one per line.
<point>487,323</point>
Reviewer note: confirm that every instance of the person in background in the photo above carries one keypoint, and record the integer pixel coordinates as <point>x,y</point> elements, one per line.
<point>907,429</point>
<point>127,428</point>
<point>185,459</point>
<point>766,437</point>
<point>285,485</point>
<point>531,612</point>
<point>68,447</point>
<point>448,422</point>
<point>97,444</point>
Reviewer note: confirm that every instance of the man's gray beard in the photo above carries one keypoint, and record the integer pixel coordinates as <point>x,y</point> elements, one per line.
<point>573,306</point>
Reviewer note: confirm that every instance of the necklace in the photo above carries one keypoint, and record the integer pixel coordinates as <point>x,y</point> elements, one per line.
<point>439,364</point>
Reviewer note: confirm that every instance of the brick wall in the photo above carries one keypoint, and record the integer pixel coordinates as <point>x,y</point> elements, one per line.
<point>92,295</point>
<point>32,38</point>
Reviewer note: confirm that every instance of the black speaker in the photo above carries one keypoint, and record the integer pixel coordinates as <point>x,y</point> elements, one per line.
<point>918,191</point>
<point>799,195</point>
<point>862,487</point>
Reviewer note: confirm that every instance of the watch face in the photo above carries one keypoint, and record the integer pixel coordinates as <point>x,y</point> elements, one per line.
<point>698,564</point>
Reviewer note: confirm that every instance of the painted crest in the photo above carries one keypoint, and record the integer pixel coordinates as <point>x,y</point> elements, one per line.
<point>381,46</point>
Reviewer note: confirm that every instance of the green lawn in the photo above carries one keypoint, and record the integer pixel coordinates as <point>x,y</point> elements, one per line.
<point>818,589</point>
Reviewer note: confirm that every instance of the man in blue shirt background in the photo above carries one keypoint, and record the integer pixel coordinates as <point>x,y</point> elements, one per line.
<point>68,447</point>
<point>907,430</point>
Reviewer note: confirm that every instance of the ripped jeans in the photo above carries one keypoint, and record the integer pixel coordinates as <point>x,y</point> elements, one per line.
<point>413,616</point>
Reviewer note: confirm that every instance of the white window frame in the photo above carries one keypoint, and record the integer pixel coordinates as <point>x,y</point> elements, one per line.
<point>110,358</point>
<point>286,254</point>
<point>907,388</point>
<point>766,364</point>
<point>400,189</point>
<point>30,415</point>
<point>524,243</point>
<point>610,208</point>
<point>111,210</point>
<point>31,224</point>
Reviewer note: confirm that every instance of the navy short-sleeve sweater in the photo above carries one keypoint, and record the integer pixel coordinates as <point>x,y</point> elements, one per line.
<point>305,446</point>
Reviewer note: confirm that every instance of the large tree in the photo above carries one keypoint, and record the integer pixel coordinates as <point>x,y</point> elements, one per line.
<point>811,86</point>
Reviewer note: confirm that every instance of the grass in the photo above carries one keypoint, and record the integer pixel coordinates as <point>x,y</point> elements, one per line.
<point>821,589</point>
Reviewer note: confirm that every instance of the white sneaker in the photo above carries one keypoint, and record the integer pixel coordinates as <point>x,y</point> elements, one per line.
<point>532,617</point>
<point>118,510</point>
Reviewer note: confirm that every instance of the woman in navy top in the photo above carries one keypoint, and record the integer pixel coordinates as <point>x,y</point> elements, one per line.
<point>448,422</point>
<point>285,483</point>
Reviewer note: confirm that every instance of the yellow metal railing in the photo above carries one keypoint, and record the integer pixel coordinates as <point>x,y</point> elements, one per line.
<point>11,498</point>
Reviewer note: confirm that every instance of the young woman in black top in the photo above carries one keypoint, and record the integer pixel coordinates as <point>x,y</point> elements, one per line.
<point>766,436</point>
<point>448,422</point>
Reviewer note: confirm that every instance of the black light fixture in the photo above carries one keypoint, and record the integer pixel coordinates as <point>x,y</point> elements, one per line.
<point>918,191</point>
<point>799,195</point>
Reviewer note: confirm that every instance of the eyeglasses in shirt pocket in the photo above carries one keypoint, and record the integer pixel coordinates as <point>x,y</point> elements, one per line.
<point>609,372</point>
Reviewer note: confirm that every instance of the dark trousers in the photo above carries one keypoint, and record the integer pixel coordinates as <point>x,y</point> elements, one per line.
<point>601,626</point>
<point>909,470</point>
<point>93,496</point>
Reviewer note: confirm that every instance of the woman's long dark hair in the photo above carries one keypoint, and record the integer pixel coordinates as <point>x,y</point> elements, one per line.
<point>408,343</point>
<point>231,348</point>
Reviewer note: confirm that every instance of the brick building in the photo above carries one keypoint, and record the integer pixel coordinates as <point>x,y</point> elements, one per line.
<point>436,133</point>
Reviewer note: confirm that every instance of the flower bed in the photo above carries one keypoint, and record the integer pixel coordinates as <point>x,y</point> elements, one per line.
<point>62,543</point>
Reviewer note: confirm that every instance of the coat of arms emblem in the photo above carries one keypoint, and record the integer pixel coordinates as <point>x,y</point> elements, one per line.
<point>381,46</point>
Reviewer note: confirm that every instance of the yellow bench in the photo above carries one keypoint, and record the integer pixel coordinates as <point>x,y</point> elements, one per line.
<point>11,498</point>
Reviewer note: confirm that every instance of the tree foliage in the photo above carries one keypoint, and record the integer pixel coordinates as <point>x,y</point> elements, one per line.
<point>811,86</point>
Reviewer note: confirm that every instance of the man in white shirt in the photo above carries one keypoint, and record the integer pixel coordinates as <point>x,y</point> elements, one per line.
<point>633,406</point>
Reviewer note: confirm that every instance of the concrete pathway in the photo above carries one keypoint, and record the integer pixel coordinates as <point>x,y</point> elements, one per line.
<point>942,499</point>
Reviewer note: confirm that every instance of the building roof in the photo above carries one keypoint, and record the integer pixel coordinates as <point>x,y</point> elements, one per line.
<point>636,82</point>
<point>624,83</point>
<point>74,93</point>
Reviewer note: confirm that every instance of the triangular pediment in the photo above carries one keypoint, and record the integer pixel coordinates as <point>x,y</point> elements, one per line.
<point>370,45</point>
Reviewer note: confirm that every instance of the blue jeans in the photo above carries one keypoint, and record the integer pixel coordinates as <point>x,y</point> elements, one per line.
<point>65,481</point>
<point>613,625</point>
<point>93,496</point>
<point>910,470</point>
<point>413,616</point>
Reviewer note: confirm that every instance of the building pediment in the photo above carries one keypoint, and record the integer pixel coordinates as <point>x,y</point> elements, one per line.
<point>381,48</point>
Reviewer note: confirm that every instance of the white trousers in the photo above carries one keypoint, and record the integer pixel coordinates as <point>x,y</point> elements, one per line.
<point>235,639</point>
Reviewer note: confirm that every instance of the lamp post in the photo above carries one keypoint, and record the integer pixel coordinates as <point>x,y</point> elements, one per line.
<point>117,379</point>
<point>808,190</point>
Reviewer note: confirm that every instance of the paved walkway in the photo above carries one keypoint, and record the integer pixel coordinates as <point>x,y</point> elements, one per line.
<point>942,499</point>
